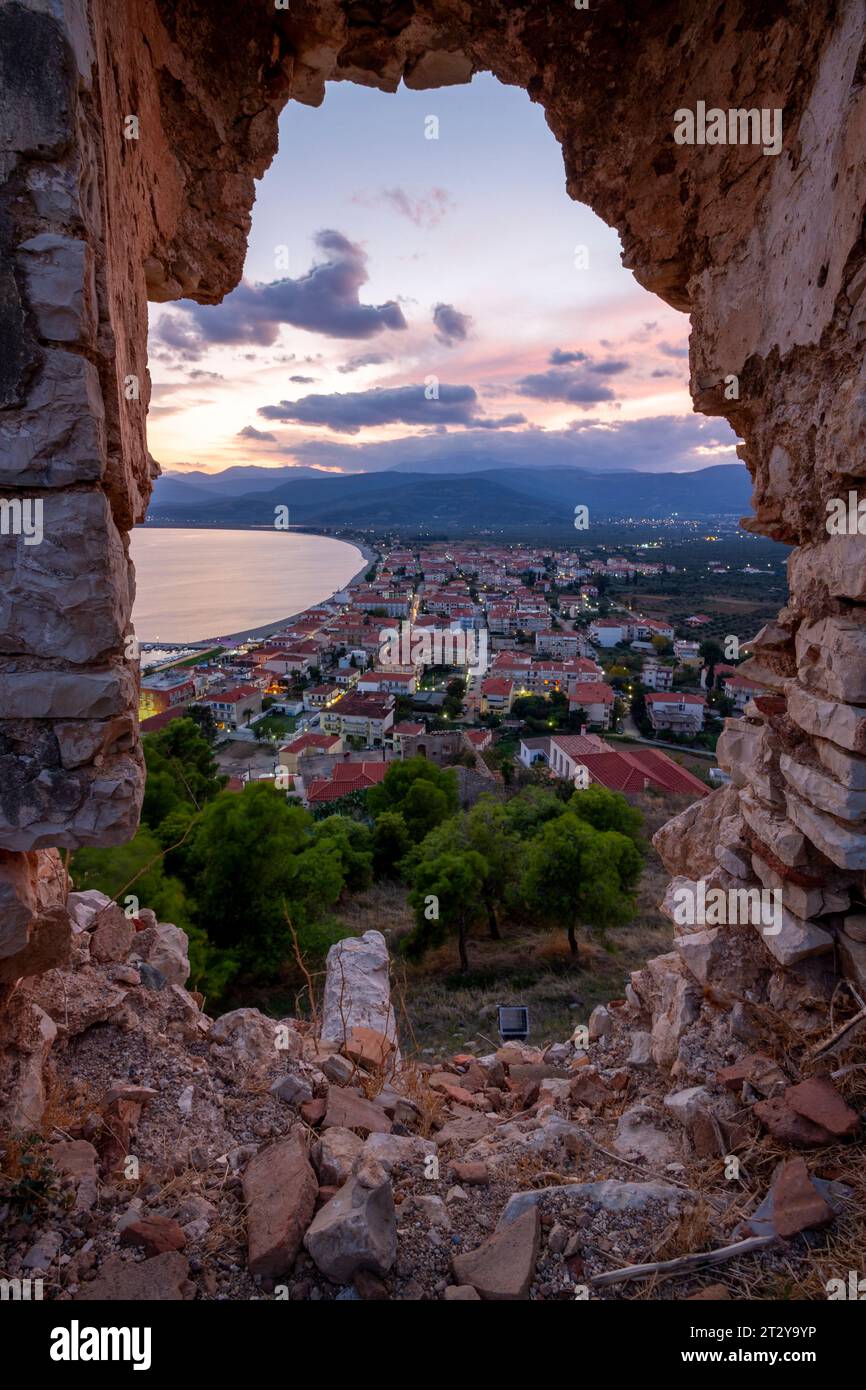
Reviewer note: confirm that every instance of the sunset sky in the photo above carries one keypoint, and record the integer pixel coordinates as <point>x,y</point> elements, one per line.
<point>379,259</point>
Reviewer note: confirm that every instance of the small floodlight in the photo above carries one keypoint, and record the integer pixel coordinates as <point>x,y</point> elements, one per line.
<point>513,1023</point>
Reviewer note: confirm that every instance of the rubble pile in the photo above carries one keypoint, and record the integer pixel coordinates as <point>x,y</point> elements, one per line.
<point>166,1155</point>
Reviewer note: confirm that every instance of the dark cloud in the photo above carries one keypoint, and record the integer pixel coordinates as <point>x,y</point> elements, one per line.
<point>665,371</point>
<point>609,366</point>
<point>348,412</point>
<point>574,387</point>
<point>671,350</point>
<point>664,443</point>
<point>364,359</point>
<point>564,357</point>
<point>250,432</point>
<point>302,380</point>
<point>503,422</point>
<point>451,325</point>
<point>325,300</point>
<point>423,209</point>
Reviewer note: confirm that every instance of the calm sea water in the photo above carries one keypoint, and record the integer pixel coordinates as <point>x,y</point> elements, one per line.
<point>192,584</point>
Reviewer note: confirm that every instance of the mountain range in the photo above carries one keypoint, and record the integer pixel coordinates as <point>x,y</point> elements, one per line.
<point>486,499</point>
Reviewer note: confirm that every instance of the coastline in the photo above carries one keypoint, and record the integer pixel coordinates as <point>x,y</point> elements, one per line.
<point>255,633</point>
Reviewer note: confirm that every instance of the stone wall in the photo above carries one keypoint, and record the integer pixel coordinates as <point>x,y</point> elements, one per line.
<point>766,253</point>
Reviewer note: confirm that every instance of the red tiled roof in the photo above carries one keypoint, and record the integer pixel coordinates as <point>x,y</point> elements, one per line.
<point>345,778</point>
<point>408,728</point>
<point>384,674</point>
<point>309,741</point>
<point>372,705</point>
<point>231,697</point>
<point>577,744</point>
<point>591,693</point>
<point>743,683</point>
<point>630,771</point>
<point>493,686</point>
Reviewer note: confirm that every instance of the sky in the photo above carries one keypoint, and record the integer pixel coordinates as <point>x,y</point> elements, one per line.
<point>408,299</point>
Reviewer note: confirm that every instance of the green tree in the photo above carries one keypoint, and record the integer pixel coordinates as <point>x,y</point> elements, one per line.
<point>489,831</point>
<point>712,654</point>
<point>606,810</point>
<point>531,809</point>
<point>580,875</point>
<point>454,695</point>
<point>391,843</point>
<point>445,894</point>
<point>202,715</point>
<point>253,856</point>
<point>354,844</point>
<point>180,771</point>
<point>421,792</point>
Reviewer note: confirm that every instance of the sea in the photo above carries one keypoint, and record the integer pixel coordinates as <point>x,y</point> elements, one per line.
<point>195,585</point>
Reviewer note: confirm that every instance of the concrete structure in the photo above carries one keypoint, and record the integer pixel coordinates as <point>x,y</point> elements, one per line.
<point>165,690</point>
<point>365,717</point>
<point>596,699</point>
<point>675,712</point>
<point>236,706</point>
<point>607,632</point>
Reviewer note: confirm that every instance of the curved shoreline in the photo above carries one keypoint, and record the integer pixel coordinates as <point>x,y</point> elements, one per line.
<point>253,633</point>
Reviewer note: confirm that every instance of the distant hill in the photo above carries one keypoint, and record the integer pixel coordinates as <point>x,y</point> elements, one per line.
<point>185,489</point>
<point>486,499</point>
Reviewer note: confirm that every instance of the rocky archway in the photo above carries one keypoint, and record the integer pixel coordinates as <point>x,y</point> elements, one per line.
<point>130,143</point>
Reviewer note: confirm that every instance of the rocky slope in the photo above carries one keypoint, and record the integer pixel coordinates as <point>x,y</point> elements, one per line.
<point>767,255</point>
<point>152,1152</point>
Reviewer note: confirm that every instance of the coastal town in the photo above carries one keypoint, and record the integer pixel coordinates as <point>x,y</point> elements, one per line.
<point>505,661</point>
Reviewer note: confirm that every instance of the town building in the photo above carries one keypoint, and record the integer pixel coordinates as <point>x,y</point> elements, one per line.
<point>234,707</point>
<point>656,676</point>
<point>496,695</point>
<point>320,696</point>
<point>675,712</point>
<point>597,699</point>
<point>368,718</point>
<point>607,632</point>
<point>164,690</point>
<point>307,746</point>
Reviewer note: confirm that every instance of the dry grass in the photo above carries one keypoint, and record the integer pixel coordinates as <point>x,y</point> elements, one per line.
<point>439,1009</point>
<point>430,1103</point>
<point>384,907</point>
<point>449,1010</point>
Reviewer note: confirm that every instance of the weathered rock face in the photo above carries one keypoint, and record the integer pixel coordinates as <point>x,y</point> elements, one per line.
<point>100,212</point>
<point>358,990</point>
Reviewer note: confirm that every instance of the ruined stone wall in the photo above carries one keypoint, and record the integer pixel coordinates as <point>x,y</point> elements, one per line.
<point>766,253</point>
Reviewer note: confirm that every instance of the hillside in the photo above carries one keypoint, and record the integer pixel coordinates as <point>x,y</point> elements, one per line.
<point>544,497</point>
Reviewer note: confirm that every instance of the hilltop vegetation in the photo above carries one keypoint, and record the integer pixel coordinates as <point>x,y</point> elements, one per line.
<point>257,881</point>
